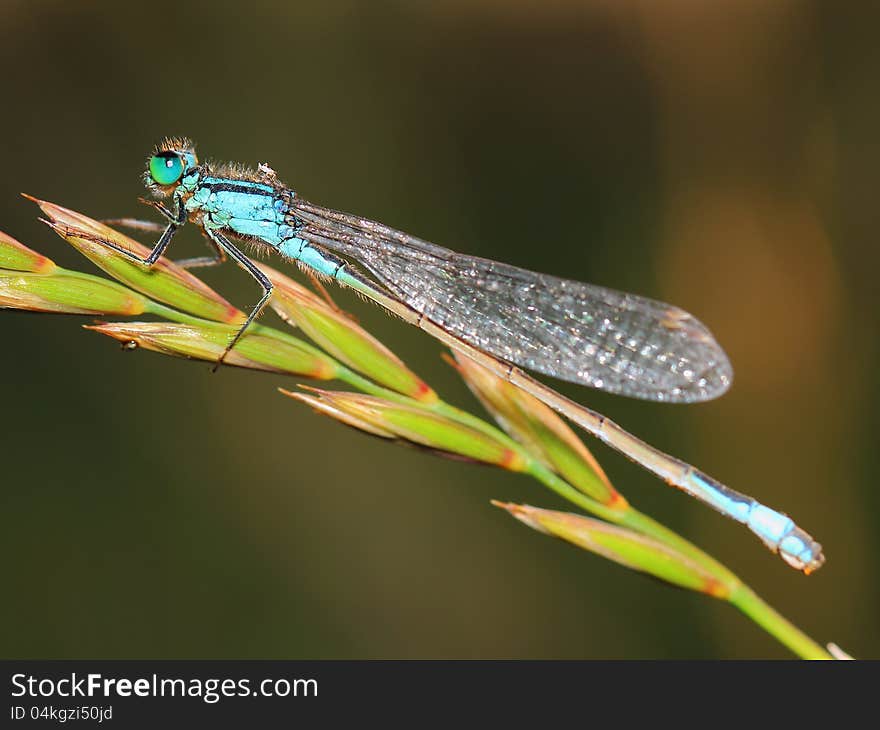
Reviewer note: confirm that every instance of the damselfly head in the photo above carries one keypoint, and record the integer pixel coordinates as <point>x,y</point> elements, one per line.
<point>167,164</point>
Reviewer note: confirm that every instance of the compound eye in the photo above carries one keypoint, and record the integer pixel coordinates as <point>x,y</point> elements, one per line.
<point>166,168</point>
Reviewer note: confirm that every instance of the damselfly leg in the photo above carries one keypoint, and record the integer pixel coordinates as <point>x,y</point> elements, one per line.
<point>138,224</point>
<point>217,241</point>
<point>223,244</point>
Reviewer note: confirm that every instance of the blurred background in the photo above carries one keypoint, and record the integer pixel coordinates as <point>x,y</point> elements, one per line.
<point>722,158</point>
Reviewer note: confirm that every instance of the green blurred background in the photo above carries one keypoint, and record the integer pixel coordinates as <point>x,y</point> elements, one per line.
<point>720,158</point>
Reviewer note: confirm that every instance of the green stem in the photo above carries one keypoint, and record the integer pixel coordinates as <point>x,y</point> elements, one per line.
<point>769,619</point>
<point>740,595</point>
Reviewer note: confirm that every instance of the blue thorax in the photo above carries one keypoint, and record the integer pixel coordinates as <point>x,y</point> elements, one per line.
<point>246,208</point>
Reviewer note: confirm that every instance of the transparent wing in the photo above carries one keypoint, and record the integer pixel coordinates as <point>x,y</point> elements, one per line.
<point>617,342</point>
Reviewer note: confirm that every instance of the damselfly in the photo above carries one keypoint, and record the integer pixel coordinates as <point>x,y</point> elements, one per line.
<point>499,315</point>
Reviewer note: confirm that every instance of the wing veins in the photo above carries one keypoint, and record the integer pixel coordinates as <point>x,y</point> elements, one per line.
<point>619,342</point>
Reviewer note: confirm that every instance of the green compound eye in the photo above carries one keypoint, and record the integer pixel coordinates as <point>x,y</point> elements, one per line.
<point>166,168</point>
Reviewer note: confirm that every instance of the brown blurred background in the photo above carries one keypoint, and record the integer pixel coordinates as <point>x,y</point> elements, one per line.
<point>720,158</point>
